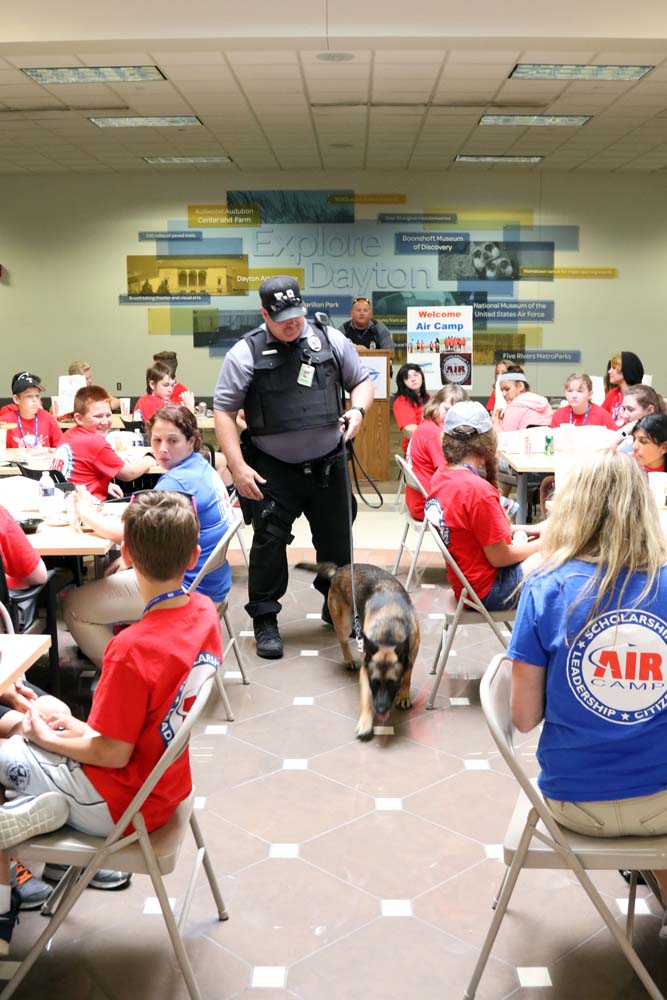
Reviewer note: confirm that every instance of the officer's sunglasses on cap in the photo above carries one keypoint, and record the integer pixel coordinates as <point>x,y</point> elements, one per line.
<point>361,298</point>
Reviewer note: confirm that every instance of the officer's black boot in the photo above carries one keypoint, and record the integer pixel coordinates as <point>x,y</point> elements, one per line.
<point>267,637</point>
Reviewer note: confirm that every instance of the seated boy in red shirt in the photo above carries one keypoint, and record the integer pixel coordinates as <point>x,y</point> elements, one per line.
<point>151,673</point>
<point>180,394</point>
<point>159,386</point>
<point>84,457</point>
<point>35,428</point>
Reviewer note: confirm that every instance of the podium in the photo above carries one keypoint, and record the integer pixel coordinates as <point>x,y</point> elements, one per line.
<point>372,442</point>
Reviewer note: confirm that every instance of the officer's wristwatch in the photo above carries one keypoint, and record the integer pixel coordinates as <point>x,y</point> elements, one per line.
<point>361,409</point>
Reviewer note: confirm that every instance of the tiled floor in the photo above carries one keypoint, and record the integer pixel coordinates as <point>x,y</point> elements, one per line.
<point>351,871</point>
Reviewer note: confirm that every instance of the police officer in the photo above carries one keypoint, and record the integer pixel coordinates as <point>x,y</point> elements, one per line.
<point>364,331</point>
<point>287,376</point>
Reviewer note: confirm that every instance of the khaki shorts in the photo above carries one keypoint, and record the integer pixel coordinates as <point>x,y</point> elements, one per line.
<point>645,816</point>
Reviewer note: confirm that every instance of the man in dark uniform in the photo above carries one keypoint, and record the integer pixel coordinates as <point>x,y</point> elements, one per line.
<point>364,331</point>
<point>287,376</point>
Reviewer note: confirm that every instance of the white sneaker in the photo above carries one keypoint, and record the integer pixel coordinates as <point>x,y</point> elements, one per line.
<point>31,815</point>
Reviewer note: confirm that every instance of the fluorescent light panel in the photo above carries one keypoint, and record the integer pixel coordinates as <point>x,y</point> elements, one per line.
<point>563,120</point>
<point>576,71</point>
<point>498,159</point>
<point>187,159</point>
<point>156,121</point>
<point>94,74</point>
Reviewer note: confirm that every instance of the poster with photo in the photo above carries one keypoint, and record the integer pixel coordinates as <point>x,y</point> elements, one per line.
<point>440,341</point>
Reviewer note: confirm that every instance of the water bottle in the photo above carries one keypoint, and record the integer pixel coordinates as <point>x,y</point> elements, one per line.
<point>47,493</point>
<point>138,439</point>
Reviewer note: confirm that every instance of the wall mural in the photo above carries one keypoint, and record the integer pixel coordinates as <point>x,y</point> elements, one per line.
<point>204,270</point>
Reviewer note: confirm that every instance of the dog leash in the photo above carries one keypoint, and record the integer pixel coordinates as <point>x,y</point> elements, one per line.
<point>356,623</point>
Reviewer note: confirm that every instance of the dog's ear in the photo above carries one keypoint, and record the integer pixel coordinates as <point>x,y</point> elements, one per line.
<point>403,652</point>
<point>370,648</point>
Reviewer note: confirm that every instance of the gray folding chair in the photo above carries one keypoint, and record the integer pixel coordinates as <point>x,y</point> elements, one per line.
<point>410,479</point>
<point>139,852</point>
<point>535,840</point>
<point>233,499</point>
<point>215,561</point>
<point>468,610</point>
<point>399,500</point>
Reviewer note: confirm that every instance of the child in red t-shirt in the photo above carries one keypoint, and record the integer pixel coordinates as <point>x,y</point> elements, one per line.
<point>180,394</point>
<point>35,428</point>
<point>581,410</point>
<point>151,673</point>
<point>409,400</point>
<point>159,387</point>
<point>84,456</point>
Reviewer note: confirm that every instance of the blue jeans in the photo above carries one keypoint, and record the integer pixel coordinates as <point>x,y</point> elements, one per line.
<point>501,596</point>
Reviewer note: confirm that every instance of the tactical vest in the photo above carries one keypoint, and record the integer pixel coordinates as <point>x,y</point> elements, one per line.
<point>363,338</point>
<point>275,403</point>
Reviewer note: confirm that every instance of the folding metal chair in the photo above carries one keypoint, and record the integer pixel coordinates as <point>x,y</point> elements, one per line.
<point>468,610</point>
<point>139,852</point>
<point>410,479</point>
<point>47,594</point>
<point>399,500</point>
<point>535,840</point>
<point>215,561</point>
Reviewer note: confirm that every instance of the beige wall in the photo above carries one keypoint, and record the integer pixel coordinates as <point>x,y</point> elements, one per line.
<point>64,240</point>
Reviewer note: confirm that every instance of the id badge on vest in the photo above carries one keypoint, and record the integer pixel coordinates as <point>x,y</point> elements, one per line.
<point>305,376</point>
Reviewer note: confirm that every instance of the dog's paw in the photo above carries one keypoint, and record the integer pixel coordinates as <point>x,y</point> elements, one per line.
<point>404,703</point>
<point>365,730</point>
<point>351,666</point>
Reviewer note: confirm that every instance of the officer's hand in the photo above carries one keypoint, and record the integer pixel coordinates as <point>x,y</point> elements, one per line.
<point>246,480</point>
<point>351,423</point>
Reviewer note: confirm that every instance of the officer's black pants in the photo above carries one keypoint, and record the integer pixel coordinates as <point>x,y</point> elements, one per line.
<point>289,491</point>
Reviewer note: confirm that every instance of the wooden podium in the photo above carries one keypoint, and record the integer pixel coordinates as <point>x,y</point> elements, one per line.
<point>372,442</point>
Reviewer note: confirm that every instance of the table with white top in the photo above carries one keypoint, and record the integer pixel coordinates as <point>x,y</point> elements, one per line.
<point>524,465</point>
<point>17,654</point>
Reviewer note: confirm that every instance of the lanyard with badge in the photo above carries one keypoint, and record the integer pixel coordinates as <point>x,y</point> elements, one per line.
<point>167,596</point>
<point>22,432</point>
<point>307,371</point>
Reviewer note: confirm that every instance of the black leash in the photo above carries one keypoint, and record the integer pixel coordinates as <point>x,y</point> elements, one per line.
<point>322,322</point>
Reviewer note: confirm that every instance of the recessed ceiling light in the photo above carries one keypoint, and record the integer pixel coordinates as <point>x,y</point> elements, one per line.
<point>94,74</point>
<point>562,120</point>
<point>576,71</point>
<point>498,159</point>
<point>187,159</point>
<point>157,121</point>
<point>335,56</point>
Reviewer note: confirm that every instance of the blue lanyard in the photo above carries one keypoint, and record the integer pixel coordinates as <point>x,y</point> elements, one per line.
<point>164,597</point>
<point>471,467</point>
<point>18,417</point>
<point>583,422</point>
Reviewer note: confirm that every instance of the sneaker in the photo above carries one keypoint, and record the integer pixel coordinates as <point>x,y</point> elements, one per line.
<point>8,921</point>
<point>104,878</point>
<point>31,815</point>
<point>326,614</point>
<point>32,891</point>
<point>267,637</point>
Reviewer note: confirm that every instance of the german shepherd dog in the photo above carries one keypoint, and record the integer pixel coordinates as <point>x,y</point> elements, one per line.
<point>390,636</point>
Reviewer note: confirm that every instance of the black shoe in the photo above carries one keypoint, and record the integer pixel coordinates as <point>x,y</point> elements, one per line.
<point>8,921</point>
<point>326,614</point>
<point>267,637</point>
<point>626,873</point>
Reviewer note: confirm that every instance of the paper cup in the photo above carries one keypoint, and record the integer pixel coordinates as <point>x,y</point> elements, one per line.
<point>125,407</point>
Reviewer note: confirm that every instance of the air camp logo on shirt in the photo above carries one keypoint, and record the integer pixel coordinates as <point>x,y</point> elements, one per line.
<point>617,667</point>
<point>205,665</point>
<point>63,460</point>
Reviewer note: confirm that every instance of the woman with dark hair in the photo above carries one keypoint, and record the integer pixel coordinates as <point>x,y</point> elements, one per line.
<point>625,369</point>
<point>649,443</point>
<point>92,611</point>
<point>465,507</point>
<point>524,408</point>
<point>409,400</point>
<point>638,401</point>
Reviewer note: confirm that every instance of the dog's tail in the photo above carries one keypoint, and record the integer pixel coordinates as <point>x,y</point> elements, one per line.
<point>325,569</point>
